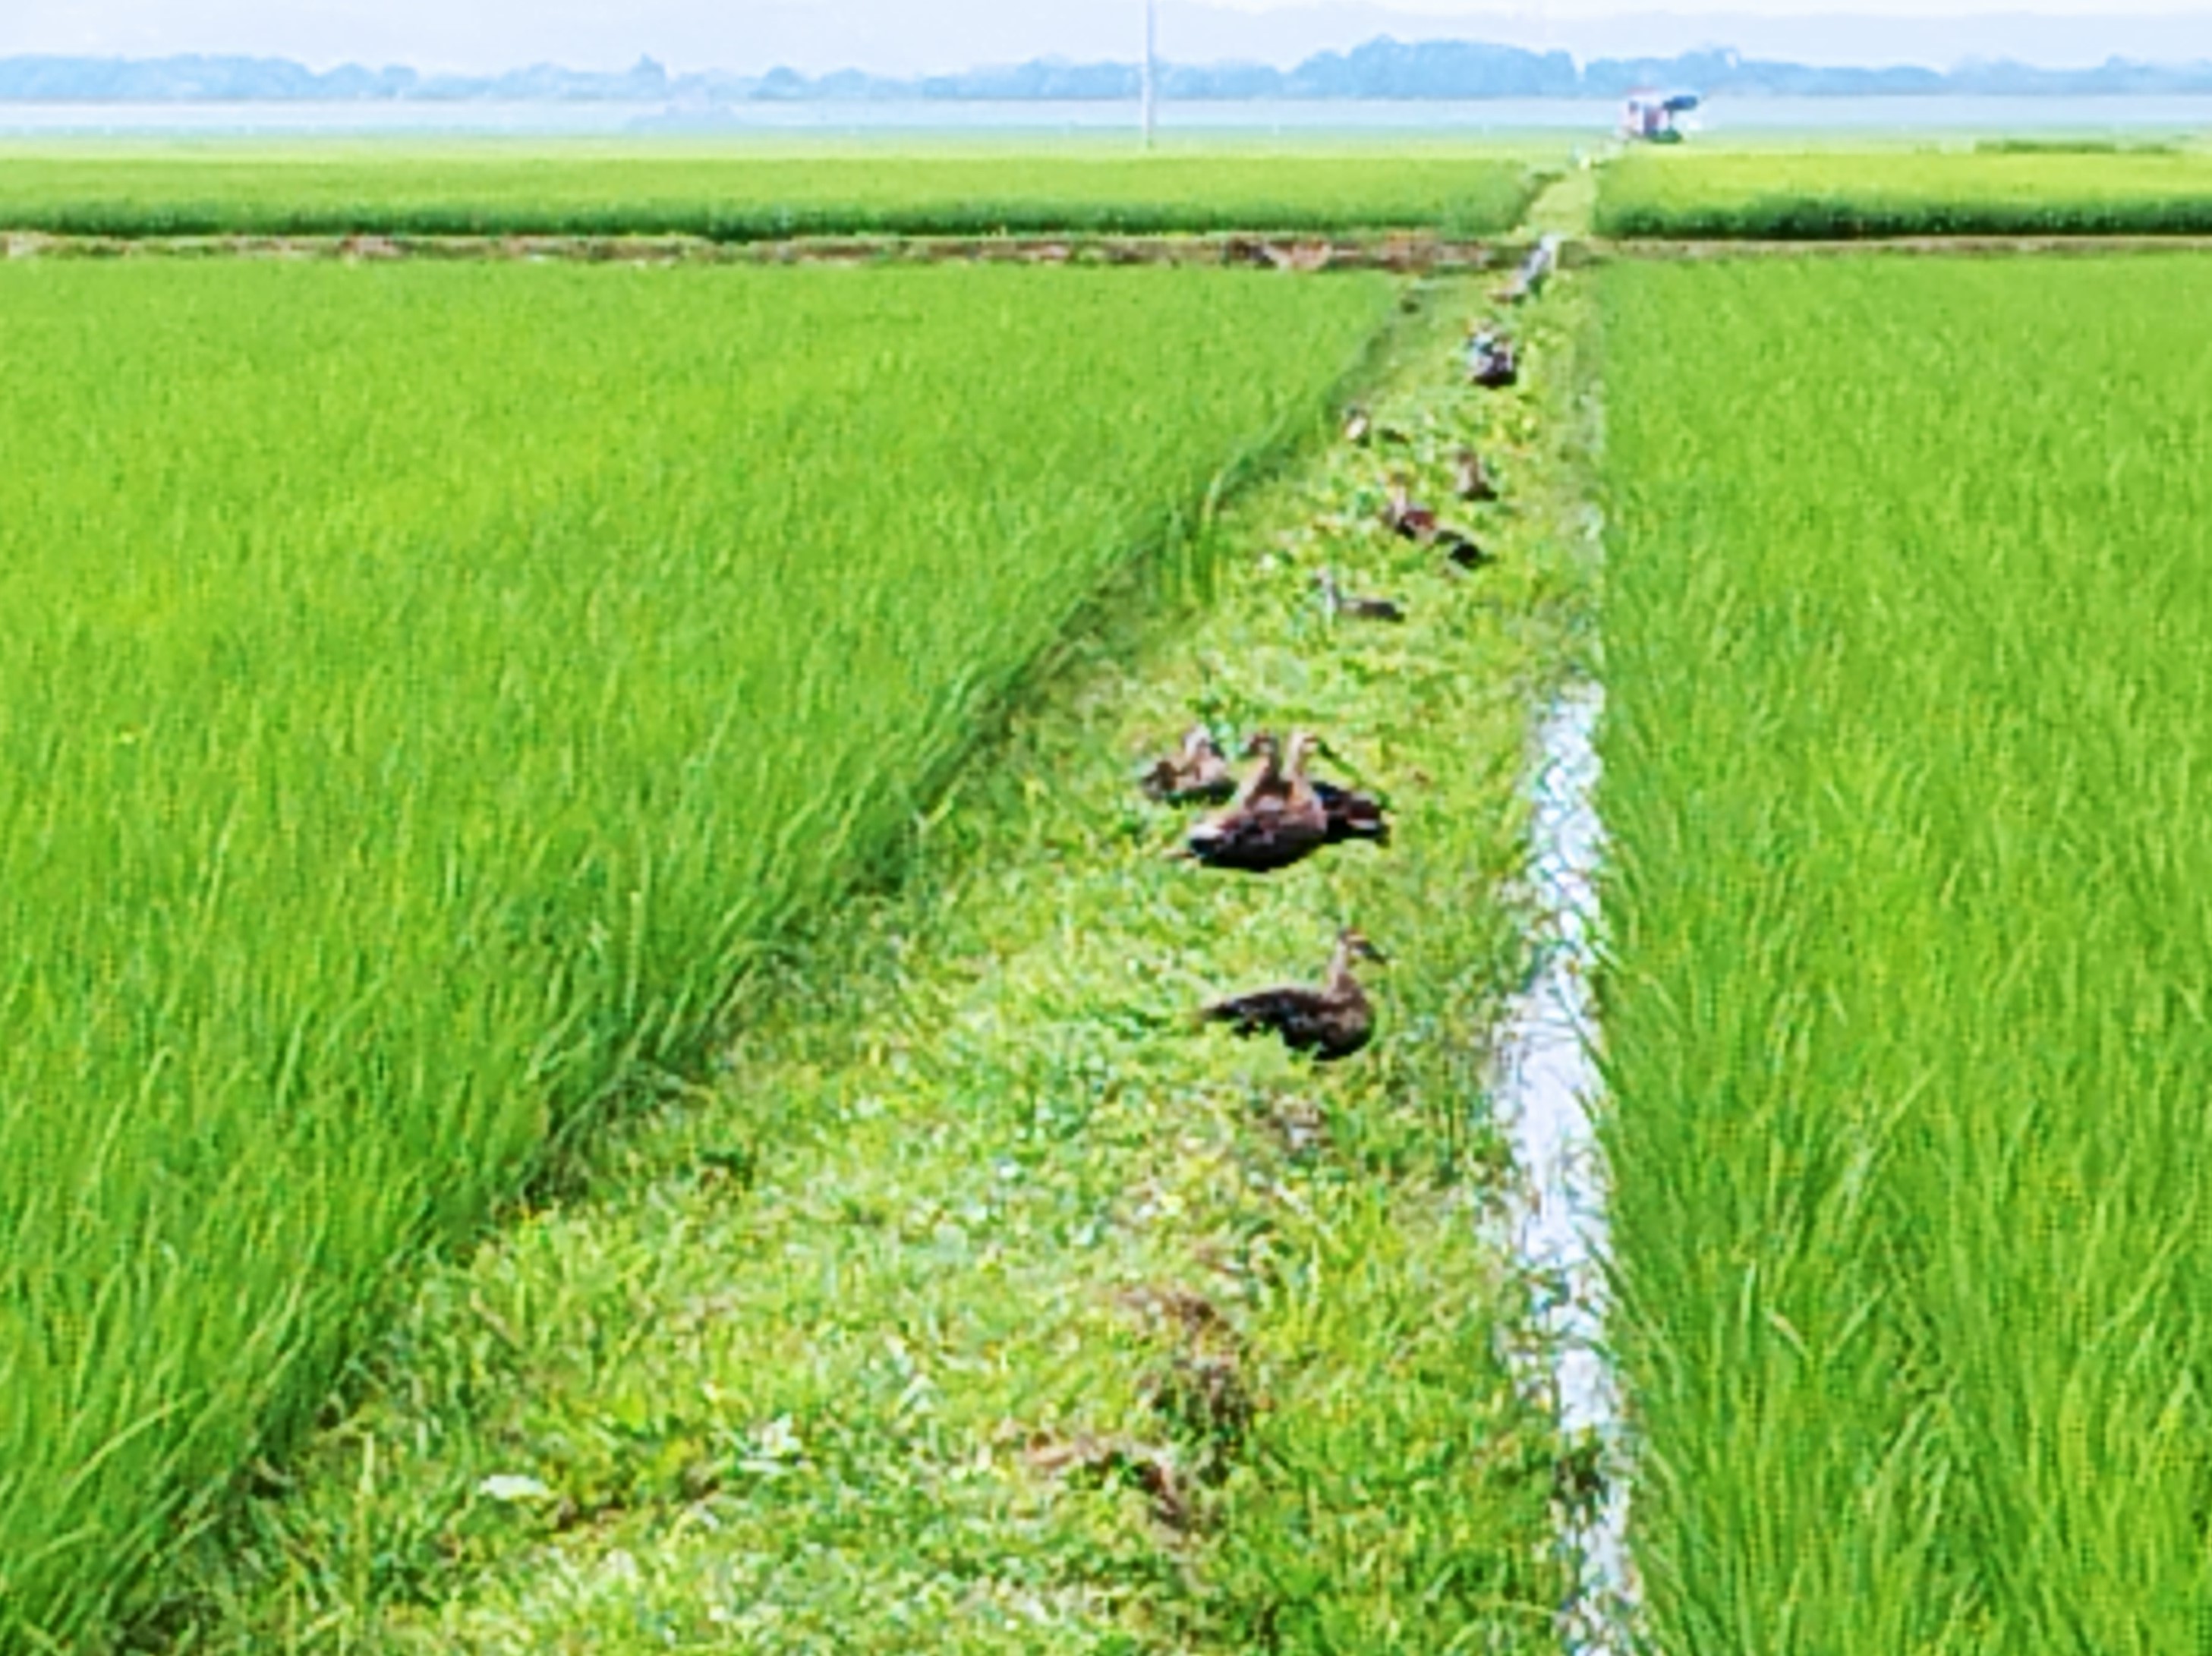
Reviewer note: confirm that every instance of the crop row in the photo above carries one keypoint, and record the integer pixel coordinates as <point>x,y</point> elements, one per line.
<point>736,197</point>
<point>1910,647</point>
<point>426,690</point>
<point>1837,195</point>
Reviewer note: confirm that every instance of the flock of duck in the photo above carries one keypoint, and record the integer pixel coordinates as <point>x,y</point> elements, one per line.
<point>1277,814</point>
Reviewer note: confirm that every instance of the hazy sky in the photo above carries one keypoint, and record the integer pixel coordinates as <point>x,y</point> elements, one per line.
<point>904,36</point>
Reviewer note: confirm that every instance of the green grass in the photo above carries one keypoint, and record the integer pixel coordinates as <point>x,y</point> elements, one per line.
<point>425,692</point>
<point>1833,194</point>
<point>738,195</point>
<point>1909,647</point>
<point>779,1372</point>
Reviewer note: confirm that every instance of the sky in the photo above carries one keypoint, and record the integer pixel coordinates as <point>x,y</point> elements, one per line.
<point>904,37</point>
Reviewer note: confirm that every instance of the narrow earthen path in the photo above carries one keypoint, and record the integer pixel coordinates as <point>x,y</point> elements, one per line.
<point>1404,252</point>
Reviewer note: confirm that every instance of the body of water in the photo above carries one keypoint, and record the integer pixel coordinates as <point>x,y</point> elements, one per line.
<point>1867,117</point>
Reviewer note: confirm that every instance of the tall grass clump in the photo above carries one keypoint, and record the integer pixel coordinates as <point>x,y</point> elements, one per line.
<point>1910,648</point>
<point>1838,195</point>
<point>424,690</point>
<point>733,195</point>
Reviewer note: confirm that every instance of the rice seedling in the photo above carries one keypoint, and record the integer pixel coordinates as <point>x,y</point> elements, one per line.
<point>1842,195</point>
<point>1910,908</point>
<point>738,195</point>
<point>426,692</point>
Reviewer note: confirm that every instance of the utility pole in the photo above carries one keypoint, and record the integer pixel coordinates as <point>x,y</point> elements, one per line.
<point>1151,75</point>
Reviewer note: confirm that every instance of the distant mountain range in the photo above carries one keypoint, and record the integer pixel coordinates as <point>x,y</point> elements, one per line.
<point>1384,68</point>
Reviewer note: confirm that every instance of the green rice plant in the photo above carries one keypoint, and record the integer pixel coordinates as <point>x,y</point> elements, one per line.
<point>738,195</point>
<point>2071,147</point>
<point>425,692</point>
<point>1910,929</point>
<point>1829,195</point>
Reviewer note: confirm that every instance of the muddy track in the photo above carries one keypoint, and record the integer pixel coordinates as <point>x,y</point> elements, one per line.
<point>1407,253</point>
<point>1404,253</point>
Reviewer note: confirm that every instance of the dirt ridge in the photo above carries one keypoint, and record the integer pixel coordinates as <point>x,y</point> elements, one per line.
<point>1407,253</point>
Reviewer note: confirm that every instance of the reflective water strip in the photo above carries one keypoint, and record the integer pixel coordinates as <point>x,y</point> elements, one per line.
<point>1547,1087</point>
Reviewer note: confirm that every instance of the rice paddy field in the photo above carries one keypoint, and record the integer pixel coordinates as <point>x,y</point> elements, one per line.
<point>1832,193</point>
<point>745,194</point>
<point>976,1299</point>
<point>426,693</point>
<point>1908,653</point>
<point>598,1048</point>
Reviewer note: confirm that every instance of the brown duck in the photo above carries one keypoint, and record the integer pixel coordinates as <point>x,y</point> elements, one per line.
<point>1351,815</point>
<point>1471,479</point>
<point>1277,818</point>
<point>1462,550</point>
<point>1535,271</point>
<point>1333,1021</point>
<point>1281,815</point>
<point>1407,517</point>
<point>1404,515</point>
<point>1199,775</point>
<point>1490,362</point>
<point>1341,602</point>
<point>1360,428</point>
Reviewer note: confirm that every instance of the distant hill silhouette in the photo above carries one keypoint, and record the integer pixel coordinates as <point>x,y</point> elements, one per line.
<point>1384,68</point>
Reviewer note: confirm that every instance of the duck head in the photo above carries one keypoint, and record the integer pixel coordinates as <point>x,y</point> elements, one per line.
<point>1353,945</point>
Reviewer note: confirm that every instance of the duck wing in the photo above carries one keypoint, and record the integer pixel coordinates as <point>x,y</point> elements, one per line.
<point>1264,1010</point>
<point>1352,815</point>
<point>1259,841</point>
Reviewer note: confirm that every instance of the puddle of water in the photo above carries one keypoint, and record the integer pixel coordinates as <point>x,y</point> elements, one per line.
<point>1546,1088</point>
